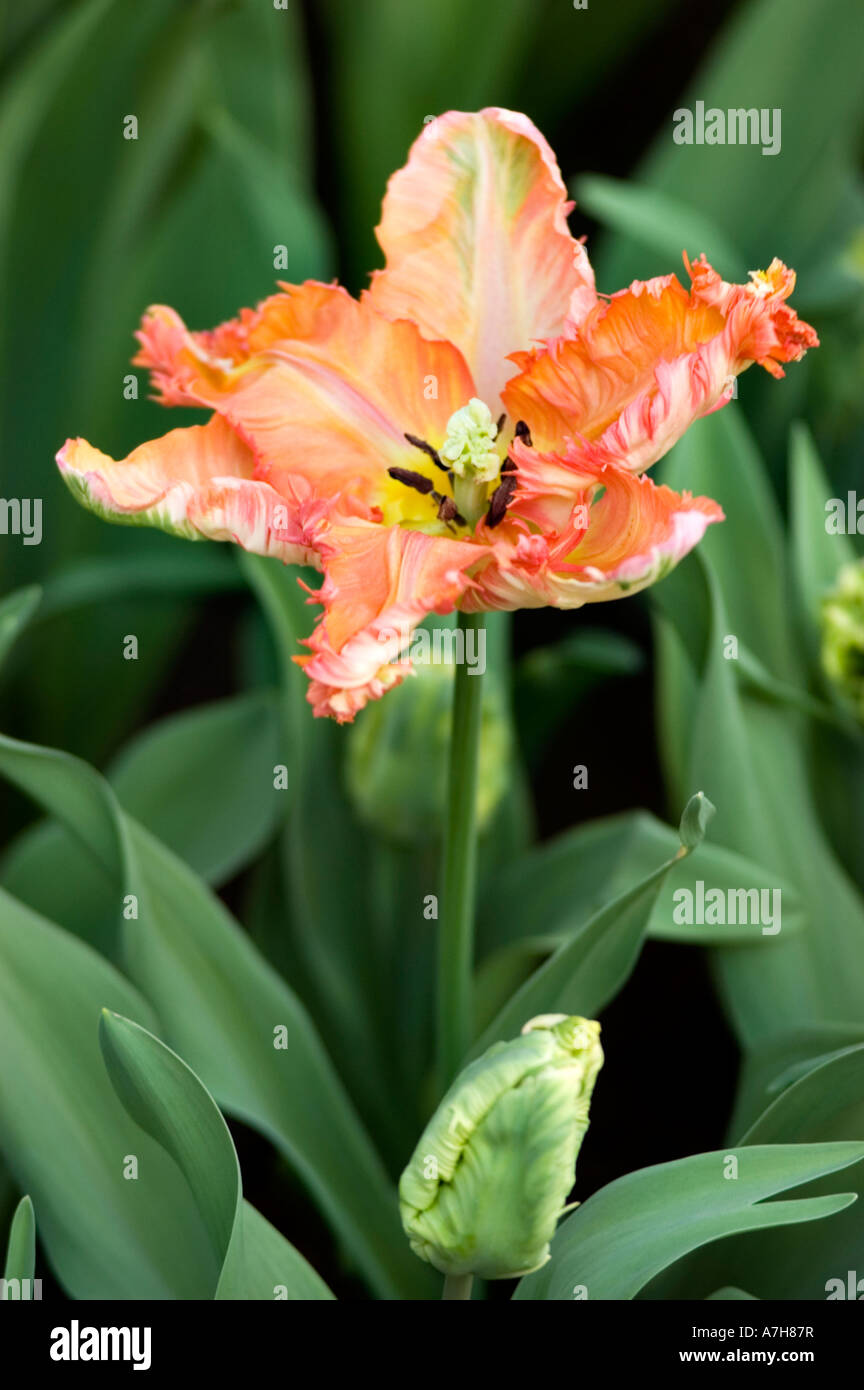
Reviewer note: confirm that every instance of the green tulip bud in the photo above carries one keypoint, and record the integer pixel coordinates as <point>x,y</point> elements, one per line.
<point>490,1177</point>
<point>843,636</point>
<point>397,758</point>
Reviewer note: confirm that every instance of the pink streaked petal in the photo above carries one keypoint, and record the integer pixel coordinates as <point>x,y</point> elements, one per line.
<point>474,230</point>
<point>612,543</point>
<point>197,483</point>
<point>642,367</point>
<point>379,584</point>
<point>327,393</point>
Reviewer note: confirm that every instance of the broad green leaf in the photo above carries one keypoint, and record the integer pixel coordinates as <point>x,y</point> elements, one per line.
<point>767,1071</point>
<point>675,688</point>
<point>718,458</point>
<point>748,755</point>
<point>823,1102</point>
<point>169,94</point>
<point>38,867</point>
<point>589,966</point>
<point>227,1012</point>
<point>556,887</point>
<point>173,778</point>
<point>193,570</point>
<point>21,1247</point>
<point>168,1101</point>
<point>27,95</point>
<point>626,1233</point>
<point>203,781</point>
<point>332,916</point>
<point>662,223</point>
<point>786,204</point>
<point>15,613</point>
<point>66,1138</point>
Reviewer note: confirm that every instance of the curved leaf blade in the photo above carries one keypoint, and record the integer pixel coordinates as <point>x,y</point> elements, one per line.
<point>168,1101</point>
<point>624,1235</point>
<point>21,1248</point>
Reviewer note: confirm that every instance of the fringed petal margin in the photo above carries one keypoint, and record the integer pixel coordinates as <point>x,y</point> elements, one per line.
<point>379,584</point>
<point>652,359</point>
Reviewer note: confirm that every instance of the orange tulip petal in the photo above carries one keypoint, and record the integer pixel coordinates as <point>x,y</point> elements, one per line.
<point>380,582</point>
<point>474,230</point>
<point>621,533</point>
<point>198,483</point>
<point>647,363</point>
<point>325,388</point>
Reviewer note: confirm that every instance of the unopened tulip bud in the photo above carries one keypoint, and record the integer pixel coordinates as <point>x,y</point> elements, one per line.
<point>398,752</point>
<point>490,1177</point>
<point>843,636</point>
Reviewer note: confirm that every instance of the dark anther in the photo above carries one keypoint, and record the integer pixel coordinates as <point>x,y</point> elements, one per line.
<point>426,449</point>
<point>415,480</point>
<point>500,500</point>
<point>508,466</point>
<point>523,433</point>
<point>447,509</point>
<point>502,420</point>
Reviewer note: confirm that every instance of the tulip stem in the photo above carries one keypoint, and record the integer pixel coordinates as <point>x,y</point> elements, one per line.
<point>456,934</point>
<point>457,1286</point>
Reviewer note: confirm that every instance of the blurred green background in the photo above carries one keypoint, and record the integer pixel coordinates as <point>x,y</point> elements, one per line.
<point>261,126</point>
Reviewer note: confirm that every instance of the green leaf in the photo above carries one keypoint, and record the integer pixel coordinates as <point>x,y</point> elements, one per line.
<point>29,92</point>
<point>730,1295</point>
<point>718,458</point>
<point>21,1247</point>
<point>786,204</point>
<point>168,1101</point>
<point>626,1233</point>
<point>173,778</point>
<point>558,885</point>
<point>820,1099</point>
<point>768,1070</point>
<point>67,1139</point>
<point>332,915</point>
<point>187,570</point>
<point>660,222</point>
<point>203,781</point>
<point>220,1004</point>
<point>589,966</point>
<point>749,757</point>
<point>16,610</point>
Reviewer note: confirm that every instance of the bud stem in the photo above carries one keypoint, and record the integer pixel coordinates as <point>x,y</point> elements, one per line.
<point>456,932</point>
<point>457,1286</point>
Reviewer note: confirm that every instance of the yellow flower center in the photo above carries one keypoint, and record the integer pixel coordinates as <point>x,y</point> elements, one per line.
<point>449,488</point>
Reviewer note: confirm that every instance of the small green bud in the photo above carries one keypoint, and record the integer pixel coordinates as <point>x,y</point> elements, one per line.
<point>490,1177</point>
<point>843,636</point>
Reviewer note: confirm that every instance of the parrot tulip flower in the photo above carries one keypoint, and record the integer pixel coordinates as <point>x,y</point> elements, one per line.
<point>473,432</point>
